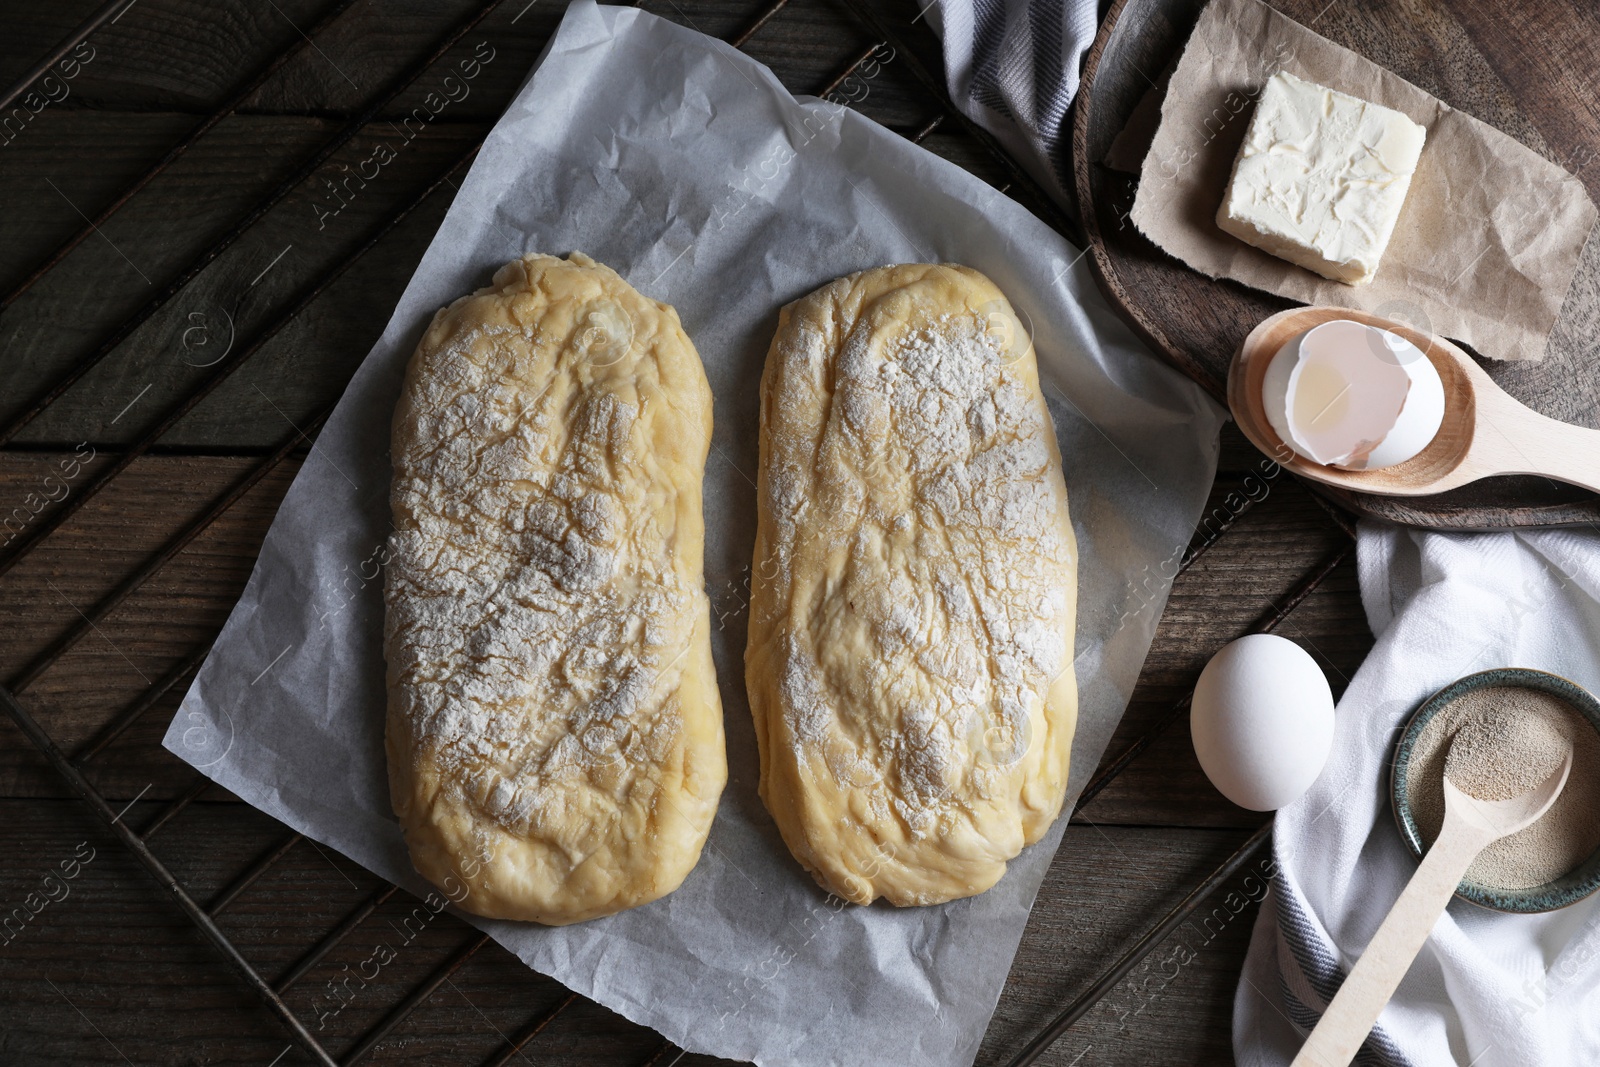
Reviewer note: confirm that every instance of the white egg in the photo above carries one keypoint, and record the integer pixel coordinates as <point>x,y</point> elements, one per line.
<point>1262,721</point>
<point>1345,394</point>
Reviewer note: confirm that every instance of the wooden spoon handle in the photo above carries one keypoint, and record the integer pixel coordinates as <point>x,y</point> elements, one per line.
<point>1372,981</point>
<point>1522,441</point>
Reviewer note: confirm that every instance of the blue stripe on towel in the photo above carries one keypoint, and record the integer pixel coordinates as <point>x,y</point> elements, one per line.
<point>1315,963</point>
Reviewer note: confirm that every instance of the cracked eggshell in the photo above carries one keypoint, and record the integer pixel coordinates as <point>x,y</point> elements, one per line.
<point>1349,395</point>
<point>1262,721</point>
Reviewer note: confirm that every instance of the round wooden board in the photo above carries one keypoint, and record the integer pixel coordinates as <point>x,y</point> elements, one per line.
<point>1514,66</point>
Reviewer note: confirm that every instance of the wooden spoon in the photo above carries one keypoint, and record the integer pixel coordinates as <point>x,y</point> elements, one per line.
<point>1470,826</point>
<point>1485,432</point>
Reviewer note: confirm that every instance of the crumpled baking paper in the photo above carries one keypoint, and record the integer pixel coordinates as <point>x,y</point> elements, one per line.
<point>1488,240</point>
<point>689,168</point>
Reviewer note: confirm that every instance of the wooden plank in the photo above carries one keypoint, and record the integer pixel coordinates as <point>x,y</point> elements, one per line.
<point>1246,571</point>
<point>179,611</point>
<point>807,44</point>
<point>185,210</point>
<point>114,948</point>
<point>186,56</point>
<point>93,977</point>
<point>123,955</point>
<point>1105,887</point>
<point>306,366</point>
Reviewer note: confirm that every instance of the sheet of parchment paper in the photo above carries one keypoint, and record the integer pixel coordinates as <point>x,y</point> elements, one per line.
<point>1486,244</point>
<point>689,169</point>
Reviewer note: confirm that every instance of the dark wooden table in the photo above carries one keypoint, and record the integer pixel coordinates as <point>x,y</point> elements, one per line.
<point>103,967</point>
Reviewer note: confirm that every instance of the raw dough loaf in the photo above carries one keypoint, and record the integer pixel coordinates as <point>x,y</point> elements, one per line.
<point>554,731</point>
<point>911,623</point>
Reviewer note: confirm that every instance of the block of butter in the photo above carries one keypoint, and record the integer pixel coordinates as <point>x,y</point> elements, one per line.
<point>1320,178</point>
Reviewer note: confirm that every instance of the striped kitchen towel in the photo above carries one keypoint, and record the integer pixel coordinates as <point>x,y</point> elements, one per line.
<point>1013,68</point>
<point>1488,989</point>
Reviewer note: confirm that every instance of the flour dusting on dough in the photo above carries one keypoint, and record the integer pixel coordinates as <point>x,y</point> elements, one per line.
<point>545,608</point>
<point>916,587</point>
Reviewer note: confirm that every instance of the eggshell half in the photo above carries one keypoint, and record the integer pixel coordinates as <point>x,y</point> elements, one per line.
<point>1389,411</point>
<point>1262,721</point>
<point>1423,413</point>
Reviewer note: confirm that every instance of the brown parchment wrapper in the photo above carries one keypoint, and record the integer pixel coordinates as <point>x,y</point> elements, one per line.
<point>1488,239</point>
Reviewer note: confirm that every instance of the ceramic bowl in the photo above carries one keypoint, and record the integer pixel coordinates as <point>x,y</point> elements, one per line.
<point>1570,887</point>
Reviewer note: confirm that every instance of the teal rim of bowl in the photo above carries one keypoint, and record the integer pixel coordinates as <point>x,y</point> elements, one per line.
<point>1565,891</point>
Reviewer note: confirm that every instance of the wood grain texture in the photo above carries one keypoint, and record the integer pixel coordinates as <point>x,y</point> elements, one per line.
<point>75,157</point>
<point>150,990</point>
<point>113,974</point>
<point>1152,1017</point>
<point>114,970</point>
<point>176,613</point>
<point>1474,61</point>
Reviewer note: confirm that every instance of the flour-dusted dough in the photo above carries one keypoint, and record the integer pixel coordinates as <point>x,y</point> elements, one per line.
<point>914,587</point>
<point>554,733</point>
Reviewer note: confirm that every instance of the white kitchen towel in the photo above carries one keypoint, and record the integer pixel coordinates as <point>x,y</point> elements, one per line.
<point>1012,66</point>
<point>1488,989</point>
